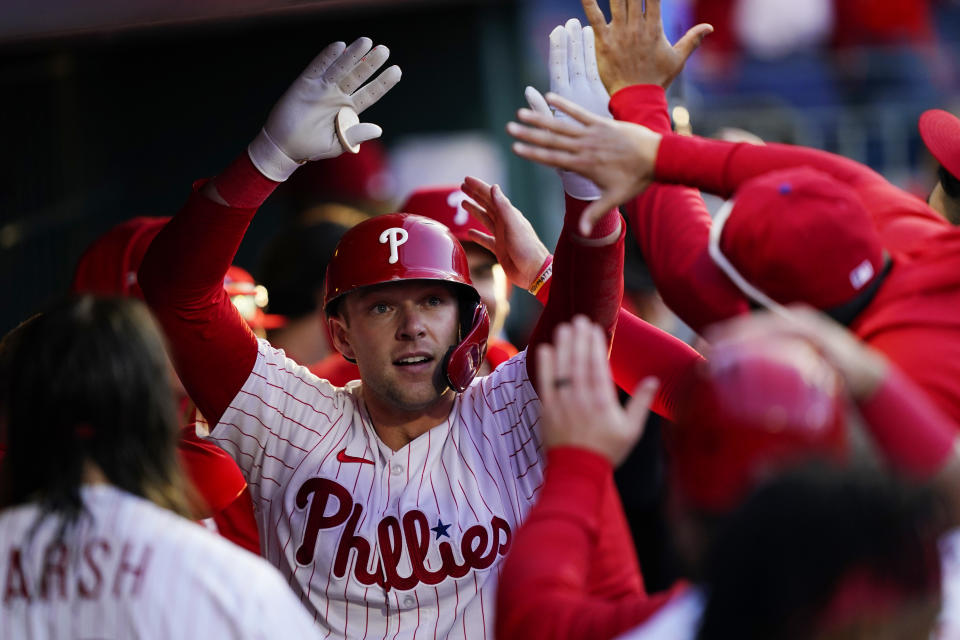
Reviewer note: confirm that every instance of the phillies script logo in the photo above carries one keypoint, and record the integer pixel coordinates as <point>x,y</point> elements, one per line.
<point>478,547</point>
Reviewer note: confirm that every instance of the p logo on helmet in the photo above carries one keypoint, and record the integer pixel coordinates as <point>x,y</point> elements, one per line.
<point>396,237</point>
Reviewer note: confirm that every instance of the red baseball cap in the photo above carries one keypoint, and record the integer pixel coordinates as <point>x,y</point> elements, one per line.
<point>797,235</point>
<point>751,411</point>
<point>109,266</point>
<point>445,205</point>
<point>940,131</point>
<point>350,178</point>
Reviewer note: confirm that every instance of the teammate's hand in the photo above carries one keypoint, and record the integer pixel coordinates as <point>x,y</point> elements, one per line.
<point>618,157</point>
<point>303,124</point>
<point>632,48</point>
<point>573,75</point>
<point>580,406</point>
<point>862,368</point>
<point>514,241</point>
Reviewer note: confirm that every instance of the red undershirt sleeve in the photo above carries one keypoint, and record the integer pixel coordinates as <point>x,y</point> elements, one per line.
<point>182,280</point>
<point>720,167</point>
<point>640,350</point>
<point>587,279</point>
<point>544,589</point>
<point>671,225</point>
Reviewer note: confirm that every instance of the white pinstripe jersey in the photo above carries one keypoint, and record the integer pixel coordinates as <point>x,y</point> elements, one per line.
<point>381,543</point>
<point>134,570</point>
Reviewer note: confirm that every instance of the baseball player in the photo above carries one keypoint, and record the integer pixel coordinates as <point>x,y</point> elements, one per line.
<point>766,401</point>
<point>389,504</point>
<point>92,542</point>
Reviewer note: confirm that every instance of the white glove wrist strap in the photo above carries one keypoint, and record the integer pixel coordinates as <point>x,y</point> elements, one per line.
<point>269,159</point>
<point>578,187</point>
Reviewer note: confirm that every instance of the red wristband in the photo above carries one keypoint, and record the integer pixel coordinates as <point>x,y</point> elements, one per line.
<point>546,271</point>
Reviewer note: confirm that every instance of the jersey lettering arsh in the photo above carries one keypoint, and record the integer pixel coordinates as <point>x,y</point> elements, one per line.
<point>101,565</point>
<point>382,543</point>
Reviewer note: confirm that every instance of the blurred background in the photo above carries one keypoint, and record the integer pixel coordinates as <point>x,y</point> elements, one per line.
<point>111,109</point>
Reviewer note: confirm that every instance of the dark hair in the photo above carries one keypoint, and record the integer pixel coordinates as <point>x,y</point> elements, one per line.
<point>88,382</point>
<point>950,182</point>
<point>775,565</point>
<point>294,264</point>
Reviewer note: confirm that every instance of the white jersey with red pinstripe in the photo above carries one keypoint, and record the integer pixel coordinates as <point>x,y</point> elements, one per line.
<point>130,569</point>
<point>381,543</point>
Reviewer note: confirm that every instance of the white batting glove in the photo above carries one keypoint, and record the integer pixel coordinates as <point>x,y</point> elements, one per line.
<point>574,75</point>
<point>302,125</point>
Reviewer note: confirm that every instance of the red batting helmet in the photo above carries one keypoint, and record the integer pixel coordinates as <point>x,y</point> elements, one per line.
<point>249,299</point>
<point>402,246</point>
<point>444,204</point>
<point>751,410</point>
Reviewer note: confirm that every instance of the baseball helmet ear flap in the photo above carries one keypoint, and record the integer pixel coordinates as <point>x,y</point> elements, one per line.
<point>463,361</point>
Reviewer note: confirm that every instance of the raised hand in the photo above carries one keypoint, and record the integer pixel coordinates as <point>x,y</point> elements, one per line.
<point>617,156</point>
<point>632,48</point>
<point>573,75</point>
<point>514,241</point>
<point>580,406</point>
<point>303,124</point>
<point>862,368</point>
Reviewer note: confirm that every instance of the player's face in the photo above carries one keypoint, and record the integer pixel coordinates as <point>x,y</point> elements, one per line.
<point>399,334</point>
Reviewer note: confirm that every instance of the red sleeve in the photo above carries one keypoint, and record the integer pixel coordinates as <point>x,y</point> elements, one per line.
<point>335,369</point>
<point>587,279</point>
<point>237,523</point>
<point>914,436</point>
<point>639,350</point>
<point>544,588</point>
<point>671,225</point>
<point>721,167</point>
<point>182,279</point>
<point>212,471</point>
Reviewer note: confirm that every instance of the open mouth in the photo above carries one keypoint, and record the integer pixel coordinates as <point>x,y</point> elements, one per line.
<point>412,361</point>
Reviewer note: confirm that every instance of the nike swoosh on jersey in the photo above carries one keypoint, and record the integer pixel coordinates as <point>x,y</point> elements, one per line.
<point>343,457</point>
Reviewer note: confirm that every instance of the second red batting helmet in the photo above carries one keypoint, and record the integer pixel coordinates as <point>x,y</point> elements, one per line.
<point>444,204</point>
<point>750,411</point>
<point>402,246</point>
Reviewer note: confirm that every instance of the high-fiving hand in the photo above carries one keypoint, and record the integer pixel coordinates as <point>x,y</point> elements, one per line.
<point>617,156</point>
<point>632,48</point>
<point>580,406</point>
<point>303,124</point>
<point>573,75</point>
<point>512,239</point>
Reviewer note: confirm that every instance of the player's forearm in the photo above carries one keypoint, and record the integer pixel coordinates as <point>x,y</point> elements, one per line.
<point>587,277</point>
<point>543,591</point>
<point>720,167</point>
<point>182,280</point>
<point>671,225</point>
<point>640,350</point>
